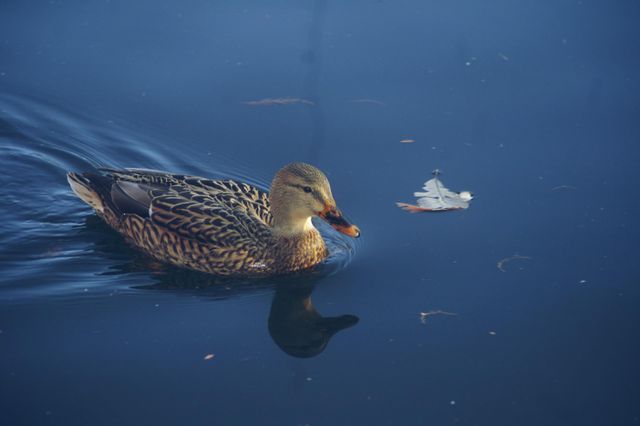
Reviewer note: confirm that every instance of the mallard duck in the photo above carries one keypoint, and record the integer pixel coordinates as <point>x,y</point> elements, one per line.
<point>222,227</point>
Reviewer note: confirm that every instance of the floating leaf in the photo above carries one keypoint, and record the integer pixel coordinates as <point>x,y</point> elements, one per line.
<point>279,101</point>
<point>437,197</point>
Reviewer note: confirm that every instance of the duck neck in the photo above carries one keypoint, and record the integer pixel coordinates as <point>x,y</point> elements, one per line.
<point>292,227</point>
<point>297,242</point>
<point>288,221</point>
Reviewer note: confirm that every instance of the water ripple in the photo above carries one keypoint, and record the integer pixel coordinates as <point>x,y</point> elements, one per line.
<point>52,245</point>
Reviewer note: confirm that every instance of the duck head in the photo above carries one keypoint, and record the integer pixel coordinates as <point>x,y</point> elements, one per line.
<point>300,191</point>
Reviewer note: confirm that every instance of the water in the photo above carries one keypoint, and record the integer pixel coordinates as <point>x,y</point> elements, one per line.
<point>533,107</point>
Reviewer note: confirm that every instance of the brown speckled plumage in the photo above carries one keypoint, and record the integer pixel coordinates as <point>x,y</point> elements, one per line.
<point>216,226</point>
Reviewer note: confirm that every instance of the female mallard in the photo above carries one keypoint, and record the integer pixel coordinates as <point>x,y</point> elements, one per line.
<point>217,226</point>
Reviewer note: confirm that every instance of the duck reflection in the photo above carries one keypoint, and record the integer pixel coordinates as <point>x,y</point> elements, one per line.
<point>294,324</point>
<point>297,327</point>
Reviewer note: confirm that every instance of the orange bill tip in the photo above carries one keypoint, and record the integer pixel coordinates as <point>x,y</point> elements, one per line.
<point>352,230</point>
<point>334,218</point>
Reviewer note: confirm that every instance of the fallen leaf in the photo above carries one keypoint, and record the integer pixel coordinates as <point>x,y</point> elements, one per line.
<point>279,101</point>
<point>437,198</point>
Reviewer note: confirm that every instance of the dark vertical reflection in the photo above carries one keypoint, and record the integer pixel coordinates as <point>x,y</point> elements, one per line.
<point>313,58</point>
<point>297,327</point>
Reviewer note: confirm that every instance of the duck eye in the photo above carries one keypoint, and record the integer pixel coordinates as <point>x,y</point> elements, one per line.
<point>307,189</point>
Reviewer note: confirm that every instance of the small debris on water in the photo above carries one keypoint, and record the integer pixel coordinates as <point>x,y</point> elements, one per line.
<point>208,357</point>
<point>407,141</point>
<point>583,281</point>
<point>424,315</point>
<point>564,188</point>
<point>279,101</point>
<point>493,333</point>
<point>309,379</point>
<point>503,56</point>
<point>502,262</point>
<point>452,402</point>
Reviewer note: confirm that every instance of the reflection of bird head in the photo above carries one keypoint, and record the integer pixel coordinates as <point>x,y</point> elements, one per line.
<point>466,196</point>
<point>295,325</point>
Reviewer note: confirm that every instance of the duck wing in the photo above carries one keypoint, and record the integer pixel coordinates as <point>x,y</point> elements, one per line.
<point>211,219</point>
<point>237,195</point>
<point>219,212</point>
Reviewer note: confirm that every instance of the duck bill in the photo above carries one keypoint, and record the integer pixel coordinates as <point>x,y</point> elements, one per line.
<point>334,218</point>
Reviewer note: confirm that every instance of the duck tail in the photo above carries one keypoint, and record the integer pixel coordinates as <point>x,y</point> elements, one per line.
<point>87,187</point>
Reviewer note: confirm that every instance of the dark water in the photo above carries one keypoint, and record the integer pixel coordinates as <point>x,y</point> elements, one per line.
<point>534,106</point>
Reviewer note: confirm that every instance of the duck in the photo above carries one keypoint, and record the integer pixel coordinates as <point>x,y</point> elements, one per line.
<point>221,227</point>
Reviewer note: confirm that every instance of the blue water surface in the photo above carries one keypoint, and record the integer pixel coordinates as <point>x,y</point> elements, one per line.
<point>521,310</point>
